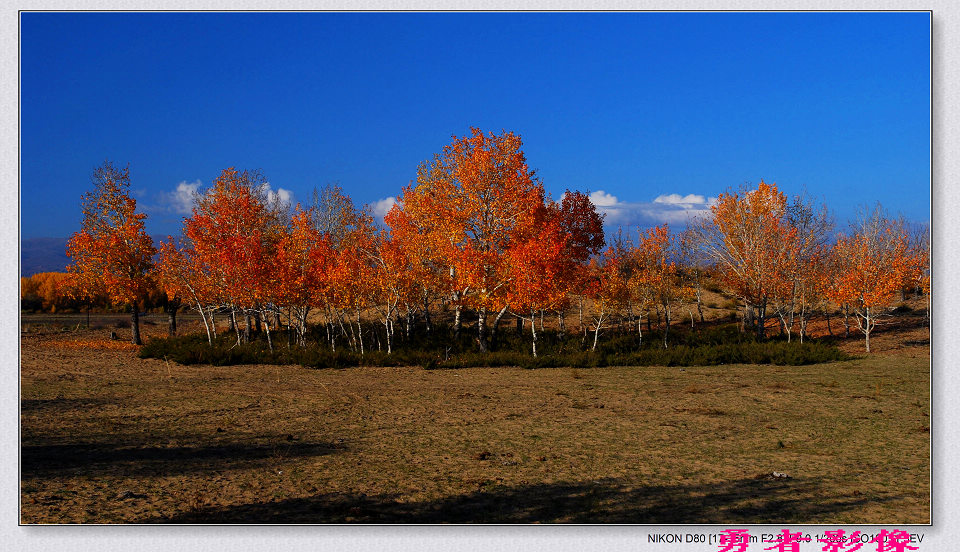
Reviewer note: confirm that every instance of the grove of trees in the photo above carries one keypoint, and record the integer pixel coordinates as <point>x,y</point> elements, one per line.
<point>476,233</point>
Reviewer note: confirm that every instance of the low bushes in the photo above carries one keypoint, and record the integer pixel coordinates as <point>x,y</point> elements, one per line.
<point>712,346</point>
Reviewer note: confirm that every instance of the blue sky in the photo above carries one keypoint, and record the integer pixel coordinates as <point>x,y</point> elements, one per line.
<point>654,113</point>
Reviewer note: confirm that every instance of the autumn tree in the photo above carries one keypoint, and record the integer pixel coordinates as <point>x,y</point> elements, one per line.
<point>871,264</point>
<point>694,265</point>
<point>49,291</point>
<point>49,287</point>
<point>659,277</point>
<point>349,234</point>
<point>424,272</point>
<point>918,277</point>
<point>540,271</point>
<point>471,204</point>
<point>551,264</point>
<point>112,253</point>
<point>747,238</point>
<point>803,268</point>
<point>335,217</point>
<point>230,239</point>
<point>394,282</point>
<point>30,294</point>
<point>303,261</point>
<point>182,275</point>
<point>582,227</point>
<point>608,287</point>
<point>353,279</point>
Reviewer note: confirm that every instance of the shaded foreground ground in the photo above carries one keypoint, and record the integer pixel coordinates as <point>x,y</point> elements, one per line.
<point>111,438</point>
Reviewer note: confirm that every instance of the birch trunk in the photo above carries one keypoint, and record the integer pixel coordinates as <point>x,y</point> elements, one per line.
<point>482,329</point>
<point>534,328</point>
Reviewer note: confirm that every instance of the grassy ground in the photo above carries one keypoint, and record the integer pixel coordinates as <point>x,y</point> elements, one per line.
<point>107,437</point>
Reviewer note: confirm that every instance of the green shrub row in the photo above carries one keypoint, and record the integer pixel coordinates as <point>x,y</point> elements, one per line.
<point>704,350</point>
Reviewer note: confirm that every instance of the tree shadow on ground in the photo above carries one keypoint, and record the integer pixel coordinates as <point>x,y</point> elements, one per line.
<point>897,323</point>
<point>605,501</point>
<point>102,459</point>
<point>59,403</point>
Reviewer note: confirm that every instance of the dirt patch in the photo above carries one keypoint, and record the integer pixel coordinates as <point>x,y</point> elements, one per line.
<point>111,438</point>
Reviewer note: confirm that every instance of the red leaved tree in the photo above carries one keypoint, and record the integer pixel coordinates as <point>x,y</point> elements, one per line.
<point>303,262</point>
<point>540,272</point>
<point>230,243</point>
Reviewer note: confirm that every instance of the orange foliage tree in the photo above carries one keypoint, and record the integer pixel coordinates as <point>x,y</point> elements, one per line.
<point>426,276</point>
<point>352,278</point>
<point>471,204</point>
<point>870,266</point>
<point>608,286</point>
<point>30,293</point>
<point>349,235</point>
<point>803,270</point>
<point>182,276</point>
<point>552,263</point>
<point>394,282</point>
<point>748,239</point>
<point>49,291</point>
<point>919,252</point>
<point>231,238</point>
<point>303,262</point>
<point>658,277</point>
<point>112,253</point>
<point>540,273</point>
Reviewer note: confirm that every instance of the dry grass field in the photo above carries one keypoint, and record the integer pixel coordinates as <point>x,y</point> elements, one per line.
<point>107,437</point>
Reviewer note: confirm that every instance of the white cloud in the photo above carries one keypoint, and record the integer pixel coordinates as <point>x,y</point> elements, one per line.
<point>677,199</point>
<point>182,199</point>
<point>281,195</point>
<point>601,198</point>
<point>674,209</point>
<point>381,207</point>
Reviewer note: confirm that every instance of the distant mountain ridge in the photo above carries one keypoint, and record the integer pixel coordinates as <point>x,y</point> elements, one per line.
<point>43,255</point>
<point>49,255</point>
